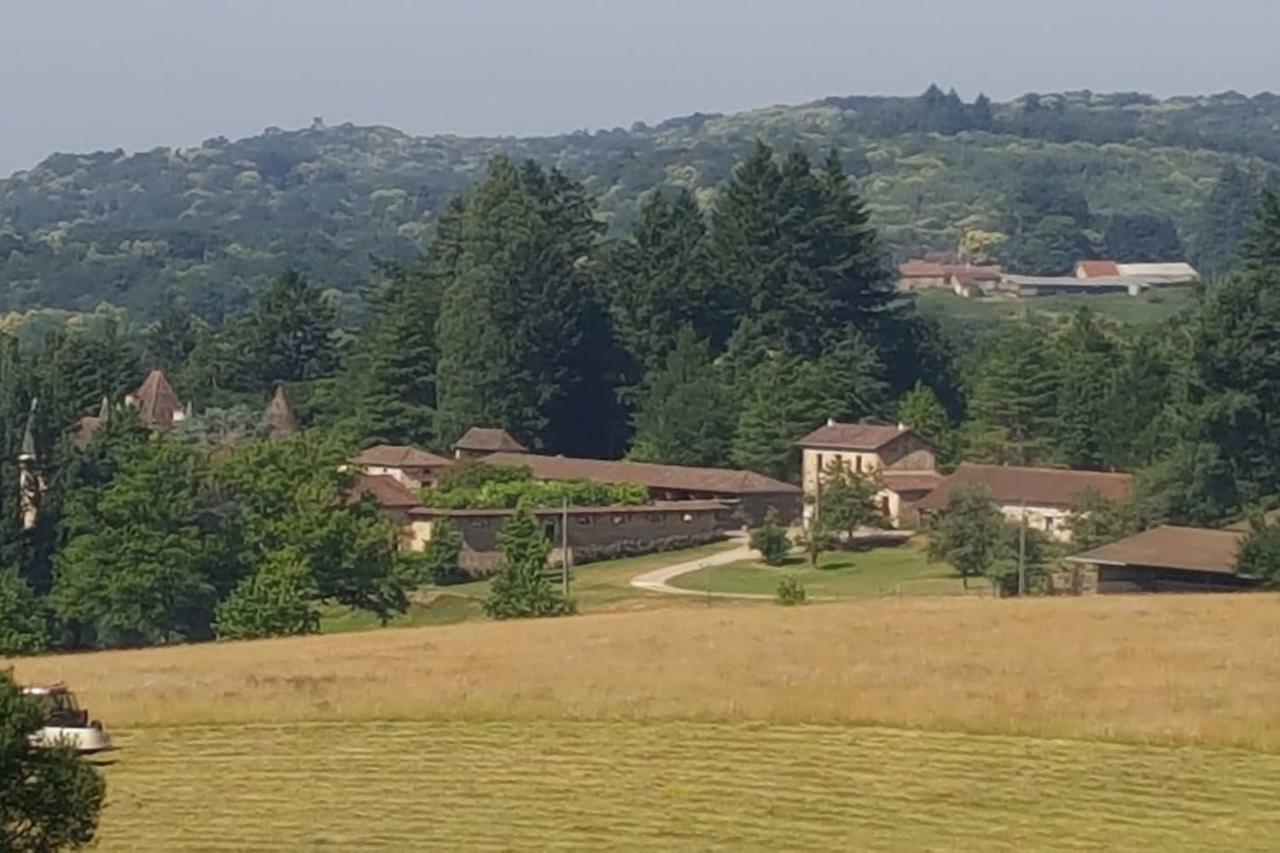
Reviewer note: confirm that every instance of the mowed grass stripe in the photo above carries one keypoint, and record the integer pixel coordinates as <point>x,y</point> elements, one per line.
<point>566,785</point>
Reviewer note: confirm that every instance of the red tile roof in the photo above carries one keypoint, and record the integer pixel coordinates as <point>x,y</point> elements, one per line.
<point>386,491</point>
<point>1098,269</point>
<point>851,436</point>
<point>1036,486</point>
<point>969,274</point>
<point>1187,548</point>
<point>489,440</point>
<point>921,269</point>
<point>910,481</point>
<point>155,400</point>
<point>677,478</point>
<point>399,456</point>
<point>623,509</point>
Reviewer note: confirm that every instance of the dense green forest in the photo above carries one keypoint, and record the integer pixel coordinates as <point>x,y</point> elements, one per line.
<point>211,226</point>
<point>705,335</point>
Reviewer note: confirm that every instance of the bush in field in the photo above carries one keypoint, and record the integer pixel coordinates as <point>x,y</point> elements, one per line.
<point>770,539</point>
<point>520,589</point>
<point>791,592</point>
<point>275,602</point>
<point>24,624</point>
<point>49,798</point>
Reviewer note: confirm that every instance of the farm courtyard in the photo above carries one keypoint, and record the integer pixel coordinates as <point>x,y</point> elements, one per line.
<point>879,723</point>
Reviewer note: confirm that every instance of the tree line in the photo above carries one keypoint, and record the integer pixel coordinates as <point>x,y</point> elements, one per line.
<point>708,336</point>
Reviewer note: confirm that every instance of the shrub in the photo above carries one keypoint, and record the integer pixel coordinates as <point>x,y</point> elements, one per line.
<point>49,798</point>
<point>520,589</point>
<point>791,592</point>
<point>770,539</point>
<point>275,602</point>
<point>439,560</point>
<point>24,621</point>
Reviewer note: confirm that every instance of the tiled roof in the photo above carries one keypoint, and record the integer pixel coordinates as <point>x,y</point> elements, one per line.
<point>399,456</point>
<point>1188,548</point>
<point>1098,269</point>
<point>388,492</point>
<point>851,436</point>
<point>624,509</point>
<point>910,481</point>
<point>490,440</point>
<point>156,401</point>
<point>718,481</point>
<point>969,274</point>
<point>1036,486</point>
<point>921,269</point>
<point>1175,270</point>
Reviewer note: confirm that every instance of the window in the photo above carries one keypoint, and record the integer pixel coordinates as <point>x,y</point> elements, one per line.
<point>549,531</point>
<point>1049,523</point>
<point>819,458</point>
<point>584,519</point>
<point>857,462</point>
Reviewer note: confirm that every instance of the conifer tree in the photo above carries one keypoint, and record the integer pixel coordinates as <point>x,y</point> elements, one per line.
<point>922,411</point>
<point>292,333</point>
<point>1261,249</point>
<point>396,366</point>
<point>1223,222</point>
<point>1085,359</point>
<point>660,281</point>
<point>520,589</point>
<point>1013,397</point>
<point>685,416</point>
<point>518,321</point>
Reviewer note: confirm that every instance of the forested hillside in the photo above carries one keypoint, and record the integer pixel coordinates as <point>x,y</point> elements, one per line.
<point>212,225</point>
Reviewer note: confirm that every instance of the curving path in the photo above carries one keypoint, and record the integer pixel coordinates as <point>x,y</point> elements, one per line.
<point>658,579</point>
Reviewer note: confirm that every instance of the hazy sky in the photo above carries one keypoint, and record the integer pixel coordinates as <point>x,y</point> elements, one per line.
<point>96,74</point>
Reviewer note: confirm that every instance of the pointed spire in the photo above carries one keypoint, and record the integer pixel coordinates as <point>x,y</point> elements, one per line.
<point>281,420</point>
<point>104,411</point>
<point>28,451</point>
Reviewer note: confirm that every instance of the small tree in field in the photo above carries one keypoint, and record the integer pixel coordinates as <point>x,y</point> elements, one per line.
<point>770,539</point>
<point>848,499</point>
<point>49,798</point>
<point>972,533</point>
<point>817,539</point>
<point>277,601</point>
<point>520,589</point>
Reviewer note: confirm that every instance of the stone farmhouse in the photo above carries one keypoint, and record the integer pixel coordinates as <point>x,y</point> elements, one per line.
<point>687,506</point>
<point>906,461</point>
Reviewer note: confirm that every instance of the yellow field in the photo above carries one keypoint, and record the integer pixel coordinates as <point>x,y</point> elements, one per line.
<point>945,723</point>
<point>663,786</point>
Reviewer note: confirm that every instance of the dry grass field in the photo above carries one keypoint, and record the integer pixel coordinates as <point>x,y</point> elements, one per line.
<point>944,723</point>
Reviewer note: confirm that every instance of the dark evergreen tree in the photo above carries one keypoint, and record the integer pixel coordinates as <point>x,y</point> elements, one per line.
<point>1223,222</point>
<point>1142,237</point>
<point>660,281</point>
<point>1261,248</point>
<point>685,415</point>
<point>1085,358</point>
<point>520,589</point>
<point>169,341</point>
<point>521,326</point>
<point>1013,400</point>
<point>291,335</point>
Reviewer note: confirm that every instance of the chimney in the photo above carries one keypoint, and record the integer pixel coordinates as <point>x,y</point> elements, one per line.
<point>902,427</point>
<point>831,421</point>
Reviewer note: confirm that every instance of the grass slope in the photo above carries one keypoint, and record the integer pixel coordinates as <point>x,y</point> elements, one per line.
<point>1185,669</point>
<point>902,570</point>
<point>671,786</point>
<point>602,586</point>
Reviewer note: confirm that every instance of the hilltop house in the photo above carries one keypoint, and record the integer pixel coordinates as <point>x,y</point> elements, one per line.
<point>905,460</point>
<point>1043,496</point>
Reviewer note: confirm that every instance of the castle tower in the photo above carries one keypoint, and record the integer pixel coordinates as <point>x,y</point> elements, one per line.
<point>30,481</point>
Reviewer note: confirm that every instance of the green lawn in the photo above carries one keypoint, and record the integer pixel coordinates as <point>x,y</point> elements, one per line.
<point>901,570</point>
<point>1148,308</point>
<point>595,586</point>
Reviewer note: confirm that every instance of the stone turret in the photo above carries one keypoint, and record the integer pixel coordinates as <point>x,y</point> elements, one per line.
<point>30,481</point>
<point>281,420</point>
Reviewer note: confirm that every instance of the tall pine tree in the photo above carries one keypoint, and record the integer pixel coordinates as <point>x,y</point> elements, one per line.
<point>685,415</point>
